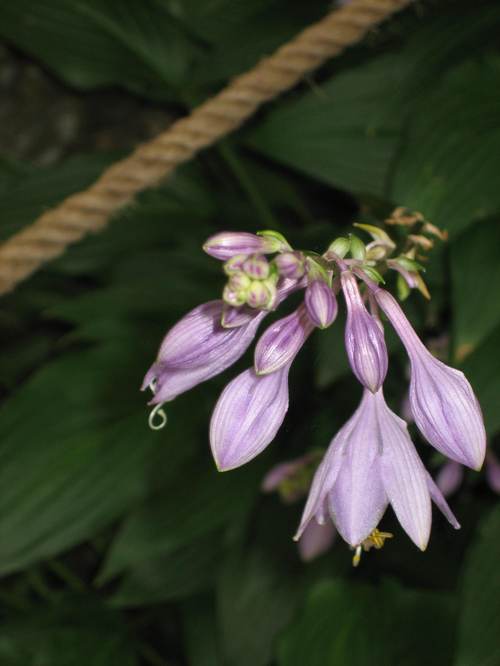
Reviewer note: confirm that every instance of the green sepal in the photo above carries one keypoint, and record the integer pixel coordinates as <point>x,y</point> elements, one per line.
<point>376,233</point>
<point>402,287</point>
<point>358,249</point>
<point>409,264</point>
<point>277,242</point>
<point>340,246</point>
<point>373,274</point>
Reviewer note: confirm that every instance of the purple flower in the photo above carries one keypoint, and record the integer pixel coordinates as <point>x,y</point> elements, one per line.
<point>364,338</point>
<point>443,403</point>
<point>247,417</point>
<point>450,477</point>
<point>316,540</point>
<point>280,343</point>
<point>290,264</point>
<point>227,244</point>
<point>371,463</point>
<point>321,303</point>
<point>196,349</point>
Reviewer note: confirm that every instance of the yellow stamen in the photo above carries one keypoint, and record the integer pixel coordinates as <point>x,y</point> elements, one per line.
<point>375,540</point>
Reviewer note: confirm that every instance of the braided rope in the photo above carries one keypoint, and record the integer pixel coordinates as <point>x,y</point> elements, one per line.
<point>90,210</point>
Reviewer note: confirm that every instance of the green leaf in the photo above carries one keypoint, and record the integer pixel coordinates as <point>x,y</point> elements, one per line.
<point>345,133</point>
<point>447,169</point>
<point>175,575</point>
<point>94,43</point>
<point>475,273</point>
<point>480,605</point>
<point>482,368</point>
<point>255,600</point>
<point>76,632</point>
<point>73,455</point>
<point>200,632</point>
<point>200,503</point>
<point>359,624</point>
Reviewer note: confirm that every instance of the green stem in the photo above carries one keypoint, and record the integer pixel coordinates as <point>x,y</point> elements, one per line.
<point>262,209</point>
<point>66,575</point>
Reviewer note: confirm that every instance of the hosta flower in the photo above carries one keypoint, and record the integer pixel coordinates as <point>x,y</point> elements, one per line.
<point>364,338</point>
<point>247,417</point>
<point>227,244</point>
<point>196,349</point>
<point>281,342</point>
<point>371,463</point>
<point>442,401</point>
<point>321,303</point>
<point>316,540</point>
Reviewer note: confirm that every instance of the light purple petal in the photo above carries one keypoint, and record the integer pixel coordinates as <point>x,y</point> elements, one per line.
<point>196,349</point>
<point>358,499</point>
<point>404,476</point>
<point>326,474</point>
<point>439,500</point>
<point>364,338</point>
<point>281,342</point>
<point>449,477</point>
<point>226,244</point>
<point>290,264</point>
<point>247,417</point>
<point>321,303</point>
<point>443,403</point>
<point>316,540</point>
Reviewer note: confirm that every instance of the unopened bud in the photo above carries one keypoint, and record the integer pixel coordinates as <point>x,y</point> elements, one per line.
<point>358,249</point>
<point>256,267</point>
<point>235,264</point>
<point>227,244</point>
<point>340,247</point>
<point>290,264</point>
<point>258,296</point>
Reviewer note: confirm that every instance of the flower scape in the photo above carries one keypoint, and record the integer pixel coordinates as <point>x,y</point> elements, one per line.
<point>371,462</point>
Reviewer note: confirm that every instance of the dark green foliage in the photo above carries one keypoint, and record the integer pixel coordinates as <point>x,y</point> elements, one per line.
<point>120,546</point>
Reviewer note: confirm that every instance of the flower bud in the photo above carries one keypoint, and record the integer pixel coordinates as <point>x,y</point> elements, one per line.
<point>256,267</point>
<point>281,342</point>
<point>258,296</point>
<point>443,403</point>
<point>227,244</point>
<point>290,264</point>
<point>232,297</point>
<point>340,247</point>
<point>235,264</point>
<point>364,338</point>
<point>321,303</point>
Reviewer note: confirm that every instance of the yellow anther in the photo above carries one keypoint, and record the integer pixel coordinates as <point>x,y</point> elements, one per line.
<point>375,540</point>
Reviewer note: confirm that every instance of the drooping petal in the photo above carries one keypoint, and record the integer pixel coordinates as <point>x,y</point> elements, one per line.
<point>364,338</point>
<point>443,403</point>
<point>404,476</point>
<point>358,500</point>
<point>316,540</point>
<point>227,244</point>
<point>450,477</point>
<point>439,500</point>
<point>326,474</point>
<point>280,343</point>
<point>247,417</point>
<point>321,303</point>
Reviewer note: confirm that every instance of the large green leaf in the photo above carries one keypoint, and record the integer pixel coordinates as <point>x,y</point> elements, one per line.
<point>199,503</point>
<point>482,368</point>
<point>93,43</point>
<point>200,631</point>
<point>475,286</point>
<point>447,168</point>
<point>480,604</point>
<point>255,600</point>
<point>73,454</point>
<point>359,624</point>
<point>75,632</point>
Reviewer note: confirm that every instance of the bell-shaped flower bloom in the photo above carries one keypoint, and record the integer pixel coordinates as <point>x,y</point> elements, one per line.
<point>196,349</point>
<point>280,343</point>
<point>443,403</point>
<point>364,338</point>
<point>316,540</point>
<point>321,303</point>
<point>247,417</point>
<point>371,463</point>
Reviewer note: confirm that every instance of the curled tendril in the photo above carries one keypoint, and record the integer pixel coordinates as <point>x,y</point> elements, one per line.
<point>157,411</point>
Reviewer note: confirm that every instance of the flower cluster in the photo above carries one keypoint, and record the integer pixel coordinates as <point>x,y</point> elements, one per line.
<point>371,462</point>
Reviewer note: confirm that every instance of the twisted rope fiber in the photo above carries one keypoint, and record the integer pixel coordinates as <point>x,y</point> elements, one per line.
<point>90,210</point>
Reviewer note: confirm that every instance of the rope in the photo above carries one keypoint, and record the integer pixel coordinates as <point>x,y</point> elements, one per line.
<point>90,210</point>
